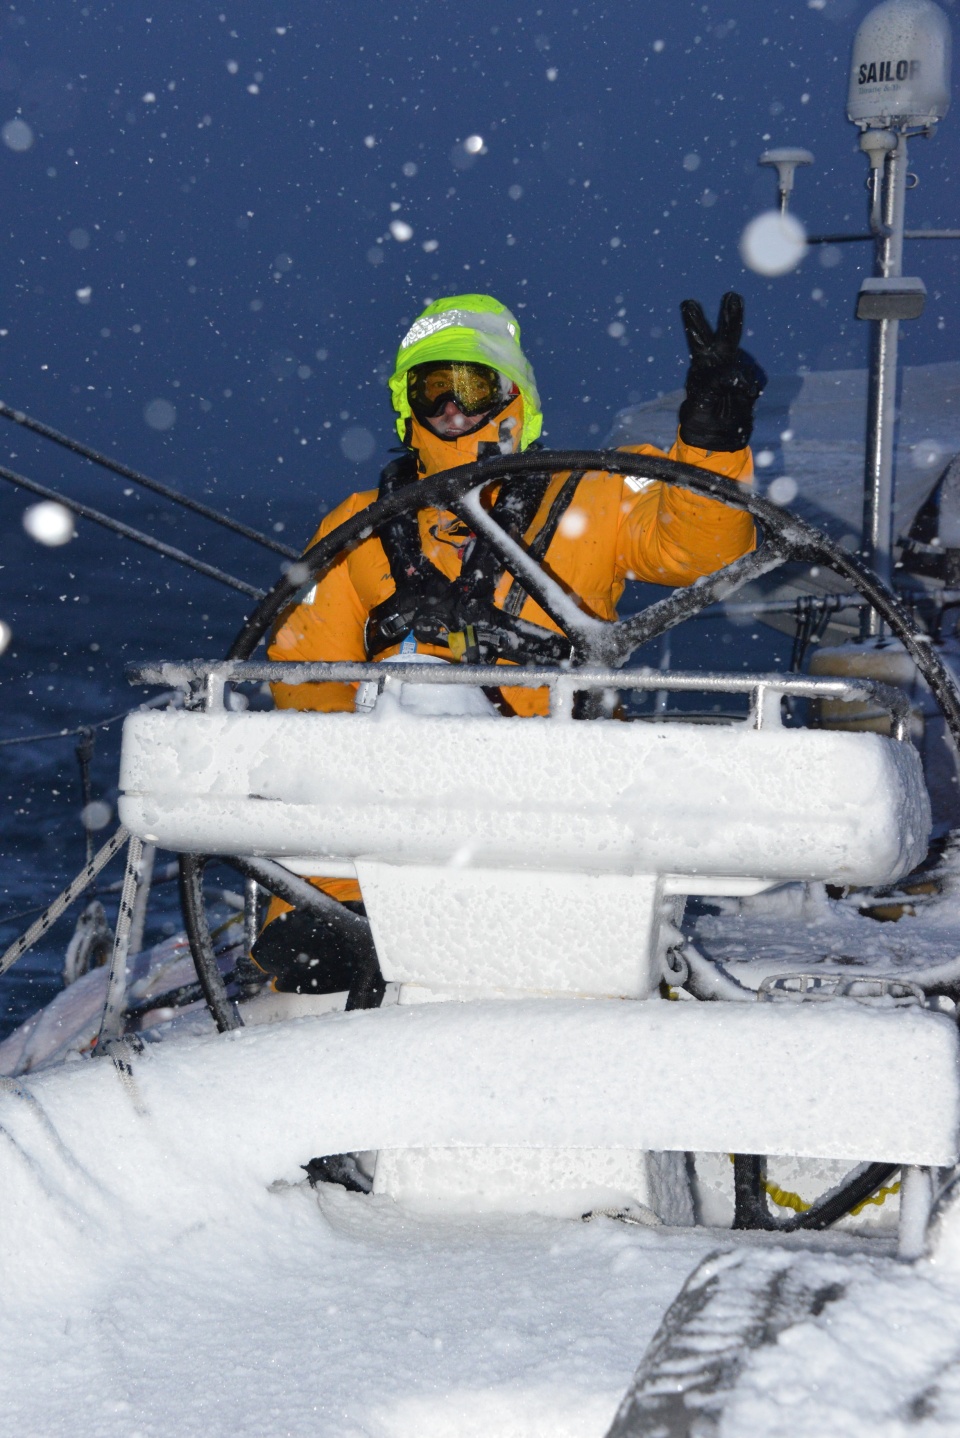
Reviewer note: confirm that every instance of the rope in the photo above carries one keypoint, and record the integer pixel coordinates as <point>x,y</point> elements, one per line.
<point>64,733</point>
<point>138,920</point>
<point>122,1052</point>
<point>126,532</point>
<point>75,447</point>
<point>112,1020</point>
<point>786,1198</point>
<point>878,1197</point>
<point>63,900</point>
<point>156,703</point>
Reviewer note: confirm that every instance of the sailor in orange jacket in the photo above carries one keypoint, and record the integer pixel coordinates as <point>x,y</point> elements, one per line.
<point>462,389</point>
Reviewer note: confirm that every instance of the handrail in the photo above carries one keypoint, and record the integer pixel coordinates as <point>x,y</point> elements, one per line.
<point>785,538</point>
<point>212,676</point>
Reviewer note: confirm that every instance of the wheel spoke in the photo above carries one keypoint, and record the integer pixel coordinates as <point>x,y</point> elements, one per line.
<point>685,603</point>
<point>201,944</point>
<point>303,895</point>
<point>589,636</point>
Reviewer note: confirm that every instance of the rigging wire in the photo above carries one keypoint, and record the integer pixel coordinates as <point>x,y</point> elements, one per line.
<point>84,753</point>
<point>63,733</point>
<point>126,532</point>
<point>111,1022</point>
<point>37,426</point>
<point>159,701</point>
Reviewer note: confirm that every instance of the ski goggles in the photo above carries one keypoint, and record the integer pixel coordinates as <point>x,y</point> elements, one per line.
<point>474,388</point>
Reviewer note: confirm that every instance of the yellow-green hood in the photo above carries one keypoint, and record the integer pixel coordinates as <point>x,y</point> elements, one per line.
<point>473,328</point>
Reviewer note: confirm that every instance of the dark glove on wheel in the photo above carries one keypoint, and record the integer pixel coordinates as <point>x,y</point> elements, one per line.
<point>723,381</point>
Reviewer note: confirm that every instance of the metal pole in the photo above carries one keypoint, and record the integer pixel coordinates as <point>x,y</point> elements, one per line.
<point>881,401</point>
<point>251,917</point>
<point>662,696</point>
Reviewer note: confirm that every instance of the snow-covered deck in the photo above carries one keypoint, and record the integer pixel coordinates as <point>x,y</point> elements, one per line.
<point>227,1314</point>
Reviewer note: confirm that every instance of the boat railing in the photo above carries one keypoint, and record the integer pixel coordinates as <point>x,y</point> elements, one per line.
<point>204,683</point>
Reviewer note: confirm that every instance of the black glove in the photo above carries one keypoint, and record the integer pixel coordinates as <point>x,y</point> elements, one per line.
<point>723,381</point>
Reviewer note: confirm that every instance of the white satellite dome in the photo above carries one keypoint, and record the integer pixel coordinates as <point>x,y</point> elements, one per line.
<point>900,69</point>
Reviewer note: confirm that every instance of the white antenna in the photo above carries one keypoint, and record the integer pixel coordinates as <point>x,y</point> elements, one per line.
<point>900,70</point>
<point>786,161</point>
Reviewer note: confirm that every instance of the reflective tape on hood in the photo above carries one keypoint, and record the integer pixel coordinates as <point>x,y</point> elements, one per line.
<point>473,328</point>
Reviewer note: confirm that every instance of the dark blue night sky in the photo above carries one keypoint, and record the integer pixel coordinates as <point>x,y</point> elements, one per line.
<point>223,183</point>
<point>198,237</point>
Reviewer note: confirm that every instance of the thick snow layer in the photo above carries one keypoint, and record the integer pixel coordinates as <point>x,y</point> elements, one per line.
<point>865,1084</point>
<point>882,1360</point>
<point>167,1289</point>
<point>157,1282</point>
<point>231,1316</point>
<point>679,798</point>
<point>764,1341</point>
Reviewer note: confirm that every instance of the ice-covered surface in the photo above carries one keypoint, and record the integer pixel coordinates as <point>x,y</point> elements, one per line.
<point>160,1283</point>
<point>255,1315</point>
<point>764,1342</point>
<point>457,927</point>
<point>271,1315</point>
<point>178,1293</point>
<point>688,799</point>
<point>883,1359</point>
<point>175,1292</point>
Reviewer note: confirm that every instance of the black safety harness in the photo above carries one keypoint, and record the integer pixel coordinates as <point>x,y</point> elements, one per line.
<point>459,613</point>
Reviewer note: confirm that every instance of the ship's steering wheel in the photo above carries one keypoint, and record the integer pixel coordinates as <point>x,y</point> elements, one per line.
<point>783,539</point>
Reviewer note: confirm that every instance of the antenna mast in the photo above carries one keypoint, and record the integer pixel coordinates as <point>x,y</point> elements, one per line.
<point>899,86</point>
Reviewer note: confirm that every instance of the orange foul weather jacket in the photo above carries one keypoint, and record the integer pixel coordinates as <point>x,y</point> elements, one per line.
<point>614,529</point>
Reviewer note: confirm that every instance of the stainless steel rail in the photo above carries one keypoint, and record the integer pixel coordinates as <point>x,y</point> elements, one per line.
<point>206,681</point>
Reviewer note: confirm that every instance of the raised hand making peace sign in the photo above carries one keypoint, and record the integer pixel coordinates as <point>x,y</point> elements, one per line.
<point>723,381</point>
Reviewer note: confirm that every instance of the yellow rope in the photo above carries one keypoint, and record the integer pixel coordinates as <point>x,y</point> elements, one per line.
<point>878,1197</point>
<point>784,1198</point>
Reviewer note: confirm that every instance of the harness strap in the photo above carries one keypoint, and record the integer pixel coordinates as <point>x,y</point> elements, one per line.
<point>460,613</point>
<point>516,594</point>
<point>514,510</point>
